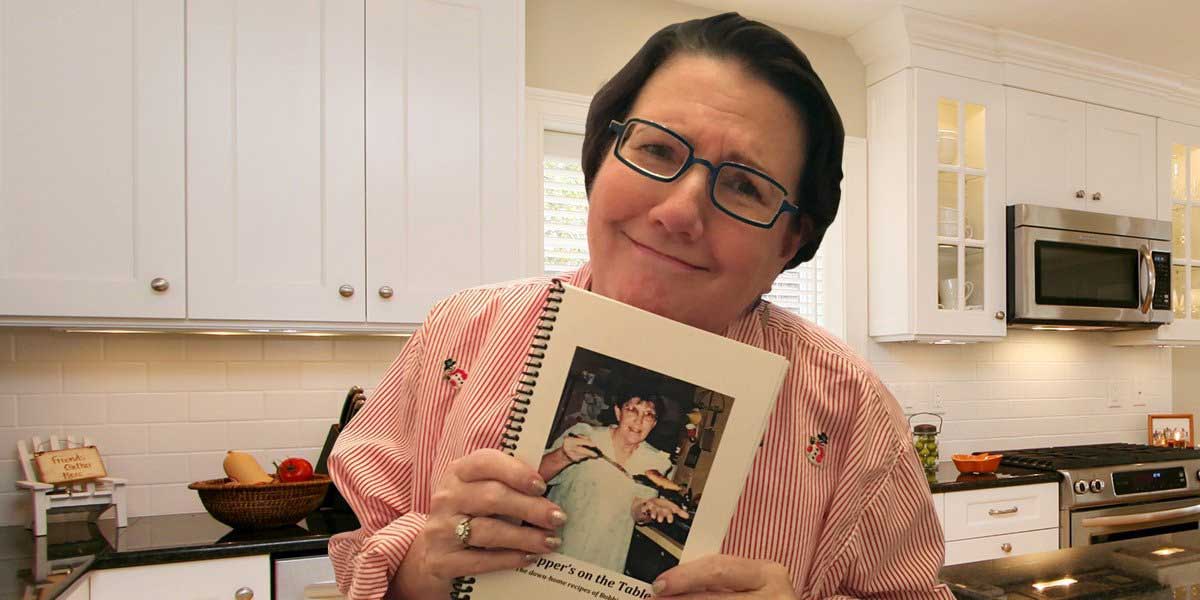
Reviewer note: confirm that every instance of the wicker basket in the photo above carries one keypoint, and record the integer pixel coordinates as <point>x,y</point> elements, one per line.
<point>260,506</point>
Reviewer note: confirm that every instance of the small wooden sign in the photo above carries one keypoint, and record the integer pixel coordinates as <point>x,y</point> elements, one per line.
<point>69,466</point>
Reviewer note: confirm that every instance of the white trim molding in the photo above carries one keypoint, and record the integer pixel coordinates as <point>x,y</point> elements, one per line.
<point>907,37</point>
<point>545,110</point>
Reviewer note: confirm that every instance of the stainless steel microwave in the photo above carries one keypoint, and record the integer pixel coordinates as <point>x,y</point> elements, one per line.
<point>1084,270</point>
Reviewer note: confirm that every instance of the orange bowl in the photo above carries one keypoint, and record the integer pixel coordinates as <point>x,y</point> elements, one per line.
<point>977,463</point>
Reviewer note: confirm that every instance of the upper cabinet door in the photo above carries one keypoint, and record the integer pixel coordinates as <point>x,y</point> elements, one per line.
<point>275,159</point>
<point>91,158</point>
<point>1046,149</point>
<point>1120,162</point>
<point>444,88</point>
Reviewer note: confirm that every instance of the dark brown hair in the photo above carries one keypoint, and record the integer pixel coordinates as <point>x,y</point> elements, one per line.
<point>766,53</point>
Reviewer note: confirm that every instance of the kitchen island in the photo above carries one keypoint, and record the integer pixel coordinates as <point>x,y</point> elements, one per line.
<point>1164,566</point>
<point>44,567</point>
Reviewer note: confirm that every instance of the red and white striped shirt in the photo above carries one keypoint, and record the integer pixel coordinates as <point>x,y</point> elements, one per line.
<point>860,524</point>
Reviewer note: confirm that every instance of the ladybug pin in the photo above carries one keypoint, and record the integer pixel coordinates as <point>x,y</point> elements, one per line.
<point>815,450</point>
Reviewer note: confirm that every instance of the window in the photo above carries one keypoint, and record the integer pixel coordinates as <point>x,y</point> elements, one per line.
<point>811,290</point>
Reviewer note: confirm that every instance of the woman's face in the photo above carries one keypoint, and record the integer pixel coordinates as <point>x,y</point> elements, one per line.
<point>664,247</point>
<point>636,418</point>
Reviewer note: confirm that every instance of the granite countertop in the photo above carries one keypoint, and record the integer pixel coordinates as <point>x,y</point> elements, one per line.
<point>1124,569</point>
<point>948,479</point>
<point>50,564</point>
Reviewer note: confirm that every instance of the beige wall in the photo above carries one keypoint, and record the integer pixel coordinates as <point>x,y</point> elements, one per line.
<point>1186,380</point>
<point>575,45</point>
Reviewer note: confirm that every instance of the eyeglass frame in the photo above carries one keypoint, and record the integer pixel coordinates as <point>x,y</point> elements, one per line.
<point>619,128</point>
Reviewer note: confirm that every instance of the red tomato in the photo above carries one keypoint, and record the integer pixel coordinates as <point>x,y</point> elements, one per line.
<point>294,469</point>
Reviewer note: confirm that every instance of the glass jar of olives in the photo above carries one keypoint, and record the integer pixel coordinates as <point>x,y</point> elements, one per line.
<point>925,441</point>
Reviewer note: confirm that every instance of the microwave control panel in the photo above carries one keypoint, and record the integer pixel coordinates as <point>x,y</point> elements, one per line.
<point>1162,281</point>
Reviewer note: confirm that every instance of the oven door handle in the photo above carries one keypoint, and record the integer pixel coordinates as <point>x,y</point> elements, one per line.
<point>1142,518</point>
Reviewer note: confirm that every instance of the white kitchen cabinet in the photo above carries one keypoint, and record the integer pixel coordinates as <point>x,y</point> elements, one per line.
<point>997,522</point>
<point>197,580</point>
<point>936,216</point>
<point>92,184</point>
<point>1071,154</point>
<point>275,158</point>
<point>939,507</point>
<point>444,84</point>
<point>1001,546</point>
<point>1178,202</point>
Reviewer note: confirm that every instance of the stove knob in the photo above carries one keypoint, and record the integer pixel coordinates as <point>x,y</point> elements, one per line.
<point>1081,487</point>
<point>1097,485</point>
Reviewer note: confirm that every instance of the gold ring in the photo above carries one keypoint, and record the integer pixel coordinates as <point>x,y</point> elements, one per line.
<point>463,532</point>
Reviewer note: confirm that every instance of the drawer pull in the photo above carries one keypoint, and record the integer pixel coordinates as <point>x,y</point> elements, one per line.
<point>994,512</point>
<point>1006,547</point>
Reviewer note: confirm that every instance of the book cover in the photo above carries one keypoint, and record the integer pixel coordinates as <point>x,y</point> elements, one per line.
<point>661,418</point>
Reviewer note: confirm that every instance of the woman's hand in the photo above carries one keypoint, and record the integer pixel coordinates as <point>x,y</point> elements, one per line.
<point>726,577</point>
<point>579,447</point>
<point>487,486</point>
<point>657,509</point>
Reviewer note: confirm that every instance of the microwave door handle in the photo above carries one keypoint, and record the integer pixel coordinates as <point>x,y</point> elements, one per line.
<point>1148,269</point>
<point>1142,518</point>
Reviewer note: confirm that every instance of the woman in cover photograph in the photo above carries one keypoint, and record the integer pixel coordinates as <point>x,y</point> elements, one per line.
<point>712,162</point>
<point>590,472</point>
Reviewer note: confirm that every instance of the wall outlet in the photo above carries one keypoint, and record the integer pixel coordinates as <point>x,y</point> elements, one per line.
<point>1118,394</point>
<point>937,404</point>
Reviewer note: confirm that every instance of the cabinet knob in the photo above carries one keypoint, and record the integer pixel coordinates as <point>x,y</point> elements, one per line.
<point>999,315</point>
<point>1096,196</point>
<point>1006,547</point>
<point>346,290</point>
<point>386,291</point>
<point>159,284</point>
<point>1080,194</point>
<point>243,593</point>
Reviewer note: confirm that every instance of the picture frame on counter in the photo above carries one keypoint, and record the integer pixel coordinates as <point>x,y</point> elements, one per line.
<point>1170,430</point>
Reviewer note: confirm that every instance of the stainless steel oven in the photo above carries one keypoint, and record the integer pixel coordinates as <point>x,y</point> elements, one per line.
<point>1128,521</point>
<point>1070,268</point>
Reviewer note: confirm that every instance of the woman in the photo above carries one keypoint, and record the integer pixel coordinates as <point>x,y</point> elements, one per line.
<point>712,163</point>
<point>583,483</point>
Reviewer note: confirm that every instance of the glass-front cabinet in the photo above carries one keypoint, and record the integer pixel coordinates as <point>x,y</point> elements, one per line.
<point>936,215</point>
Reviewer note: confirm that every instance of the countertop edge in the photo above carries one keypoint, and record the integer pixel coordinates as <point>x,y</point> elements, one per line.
<point>162,556</point>
<point>963,486</point>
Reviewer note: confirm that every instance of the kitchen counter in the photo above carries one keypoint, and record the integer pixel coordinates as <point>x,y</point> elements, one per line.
<point>948,479</point>
<point>52,563</point>
<point>1118,570</point>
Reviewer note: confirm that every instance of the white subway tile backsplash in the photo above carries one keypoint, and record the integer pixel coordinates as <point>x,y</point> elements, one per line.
<point>315,430</point>
<point>145,347</point>
<point>114,439</point>
<point>304,404</point>
<point>332,375</point>
<point>30,377</point>
<point>14,509</point>
<point>187,376</point>
<point>104,377</point>
<point>370,349</point>
<point>65,409</point>
<point>375,373</point>
<point>224,347</point>
<point>266,434</point>
<point>10,473</point>
<point>206,465</point>
<point>160,407</point>
<point>10,435</point>
<point>8,411</point>
<point>138,497</point>
<point>59,346</point>
<point>301,348</point>
<point>188,437</point>
<point>264,375</point>
<point>226,406</point>
<point>149,468</point>
<point>174,500</point>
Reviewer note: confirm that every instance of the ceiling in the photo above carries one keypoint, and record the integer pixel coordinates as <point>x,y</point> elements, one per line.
<point>1160,33</point>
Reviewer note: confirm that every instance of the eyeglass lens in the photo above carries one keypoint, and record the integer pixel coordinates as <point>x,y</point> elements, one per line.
<point>658,153</point>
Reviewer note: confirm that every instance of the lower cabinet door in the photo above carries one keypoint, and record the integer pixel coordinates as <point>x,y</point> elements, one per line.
<point>218,579</point>
<point>1000,546</point>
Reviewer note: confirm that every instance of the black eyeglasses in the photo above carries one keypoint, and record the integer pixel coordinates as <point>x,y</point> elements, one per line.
<point>742,192</point>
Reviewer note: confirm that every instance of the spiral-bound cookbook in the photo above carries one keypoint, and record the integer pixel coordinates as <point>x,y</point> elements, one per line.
<point>645,430</point>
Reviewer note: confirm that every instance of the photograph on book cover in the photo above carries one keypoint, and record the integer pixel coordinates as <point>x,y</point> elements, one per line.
<point>630,450</point>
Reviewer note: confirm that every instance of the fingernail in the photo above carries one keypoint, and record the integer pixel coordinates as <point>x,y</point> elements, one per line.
<point>537,486</point>
<point>559,518</point>
<point>530,558</point>
<point>659,587</point>
<point>553,541</point>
